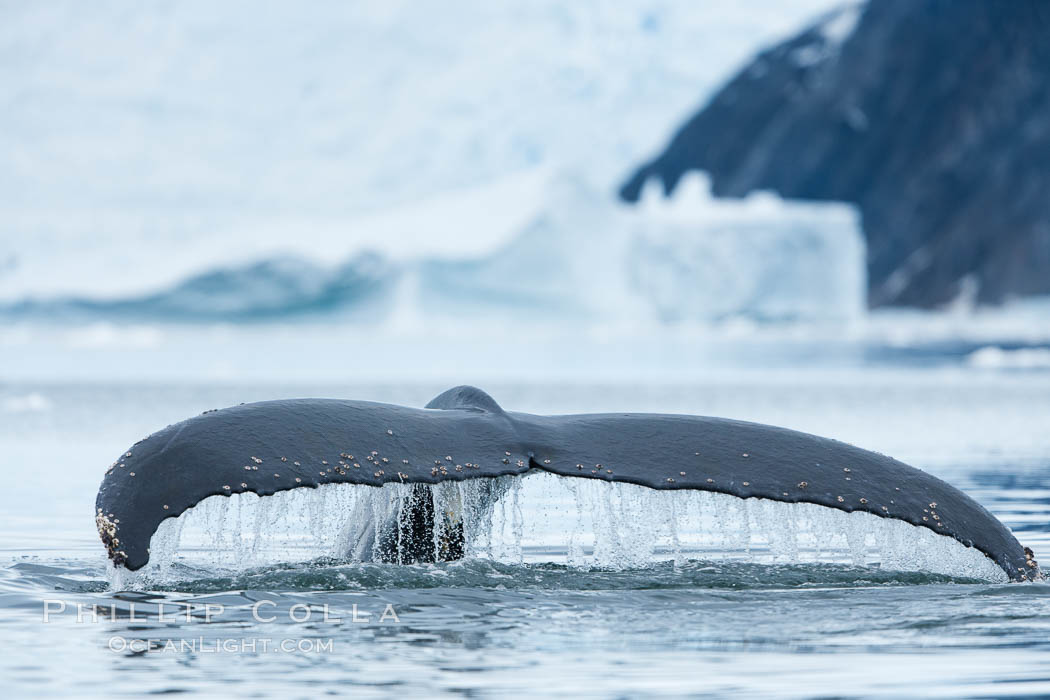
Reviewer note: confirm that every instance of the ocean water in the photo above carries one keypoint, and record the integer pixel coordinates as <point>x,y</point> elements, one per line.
<point>497,625</point>
<point>204,206</point>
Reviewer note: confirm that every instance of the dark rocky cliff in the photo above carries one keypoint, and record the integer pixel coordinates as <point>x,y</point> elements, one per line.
<point>933,116</point>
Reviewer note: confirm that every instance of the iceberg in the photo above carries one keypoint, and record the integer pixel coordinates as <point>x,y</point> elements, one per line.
<point>688,258</point>
<point>559,250</point>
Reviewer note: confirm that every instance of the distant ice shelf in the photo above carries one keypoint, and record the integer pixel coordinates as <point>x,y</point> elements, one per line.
<point>563,251</point>
<point>145,147</point>
<point>688,258</point>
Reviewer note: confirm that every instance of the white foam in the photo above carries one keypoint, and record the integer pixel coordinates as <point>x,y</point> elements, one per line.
<point>545,518</point>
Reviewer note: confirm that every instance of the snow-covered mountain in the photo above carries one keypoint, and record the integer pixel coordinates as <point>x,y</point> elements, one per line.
<point>930,115</point>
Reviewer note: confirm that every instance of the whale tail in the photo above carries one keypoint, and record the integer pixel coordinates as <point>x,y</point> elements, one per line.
<point>275,446</point>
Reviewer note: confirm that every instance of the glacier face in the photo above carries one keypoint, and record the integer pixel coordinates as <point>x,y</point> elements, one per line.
<point>570,253</point>
<point>146,145</point>
<point>688,258</point>
<point>760,257</point>
<point>395,164</point>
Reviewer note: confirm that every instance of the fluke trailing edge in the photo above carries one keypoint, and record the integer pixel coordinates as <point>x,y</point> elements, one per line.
<point>464,434</point>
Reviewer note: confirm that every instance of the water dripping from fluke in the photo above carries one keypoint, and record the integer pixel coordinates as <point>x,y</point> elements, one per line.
<point>534,519</point>
<point>462,479</point>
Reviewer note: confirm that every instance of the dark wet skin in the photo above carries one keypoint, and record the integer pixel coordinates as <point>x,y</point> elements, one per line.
<point>463,433</point>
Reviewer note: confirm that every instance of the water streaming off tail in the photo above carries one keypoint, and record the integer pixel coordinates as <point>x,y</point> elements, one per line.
<point>543,518</point>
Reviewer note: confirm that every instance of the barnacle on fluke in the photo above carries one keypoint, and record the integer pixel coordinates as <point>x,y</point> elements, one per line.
<point>185,463</point>
<point>107,531</point>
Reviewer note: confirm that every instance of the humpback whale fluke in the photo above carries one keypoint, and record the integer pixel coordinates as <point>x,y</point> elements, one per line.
<point>275,446</point>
